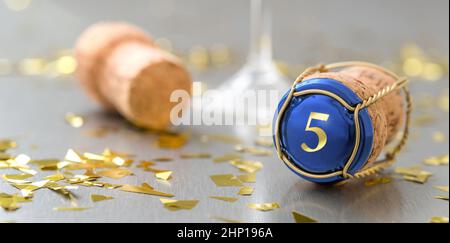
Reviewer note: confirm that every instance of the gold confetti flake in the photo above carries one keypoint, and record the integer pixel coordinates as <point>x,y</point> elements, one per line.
<point>221,138</point>
<point>253,150</point>
<point>195,156</point>
<point>55,177</point>
<point>22,159</point>
<point>248,178</point>
<point>99,198</point>
<point>377,181</point>
<point>4,156</point>
<point>166,175</point>
<point>442,188</point>
<point>247,165</point>
<point>144,189</point>
<point>163,159</point>
<point>74,120</point>
<point>445,198</point>
<point>73,156</point>
<point>227,180</point>
<point>16,177</point>
<point>263,206</point>
<point>11,202</point>
<point>27,190</point>
<point>48,164</point>
<point>438,137</point>
<point>300,218</point>
<point>146,164</point>
<point>437,160</point>
<point>443,103</point>
<point>246,191</point>
<point>6,145</point>
<point>413,174</point>
<point>117,173</point>
<point>264,142</point>
<point>172,141</point>
<point>71,209</point>
<point>439,220</point>
<point>225,199</point>
<point>175,205</point>
<point>227,158</point>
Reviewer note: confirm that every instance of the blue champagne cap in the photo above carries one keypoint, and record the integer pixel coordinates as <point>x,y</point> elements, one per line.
<point>317,133</point>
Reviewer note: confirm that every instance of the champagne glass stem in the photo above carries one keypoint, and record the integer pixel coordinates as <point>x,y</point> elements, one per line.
<point>260,33</point>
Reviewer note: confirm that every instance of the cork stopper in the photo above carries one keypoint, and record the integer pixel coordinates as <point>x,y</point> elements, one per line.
<point>376,111</point>
<point>393,104</point>
<point>121,68</point>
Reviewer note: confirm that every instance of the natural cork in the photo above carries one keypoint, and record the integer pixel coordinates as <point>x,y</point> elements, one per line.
<point>387,114</point>
<point>121,68</point>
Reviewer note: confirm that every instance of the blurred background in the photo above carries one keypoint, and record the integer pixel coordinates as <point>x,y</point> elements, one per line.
<point>212,37</point>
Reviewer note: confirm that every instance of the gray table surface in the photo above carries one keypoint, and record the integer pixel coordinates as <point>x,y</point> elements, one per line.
<point>33,108</point>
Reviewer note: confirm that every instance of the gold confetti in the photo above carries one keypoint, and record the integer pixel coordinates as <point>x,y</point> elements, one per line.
<point>225,199</point>
<point>27,190</point>
<point>74,120</point>
<point>163,159</point>
<point>443,103</point>
<point>439,220</point>
<point>11,202</point>
<point>66,65</point>
<point>263,206</point>
<point>246,191</point>
<point>413,174</point>
<point>227,180</point>
<point>175,205</point>
<point>6,145</point>
<point>438,137</point>
<point>71,209</point>
<point>445,198</point>
<point>227,158</point>
<point>442,188</point>
<point>16,177</point>
<point>299,218</point>
<point>172,141</point>
<point>117,173</point>
<point>48,164</point>
<point>195,156</point>
<point>248,178</point>
<point>144,189</point>
<point>99,198</point>
<point>55,177</point>
<point>73,156</point>
<point>247,165</point>
<point>377,181</point>
<point>264,142</point>
<point>146,164</point>
<point>166,175</point>
<point>221,138</point>
<point>437,160</point>
<point>253,150</point>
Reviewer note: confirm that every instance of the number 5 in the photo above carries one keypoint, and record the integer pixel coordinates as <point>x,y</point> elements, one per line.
<point>318,131</point>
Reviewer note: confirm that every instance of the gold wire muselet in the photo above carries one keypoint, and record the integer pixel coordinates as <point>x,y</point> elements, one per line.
<point>367,169</point>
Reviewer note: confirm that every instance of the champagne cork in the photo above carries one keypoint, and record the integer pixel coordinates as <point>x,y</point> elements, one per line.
<point>316,133</point>
<point>120,67</point>
<point>364,90</point>
<point>393,104</point>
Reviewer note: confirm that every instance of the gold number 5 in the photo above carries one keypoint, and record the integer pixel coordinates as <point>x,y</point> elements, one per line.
<point>318,131</point>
